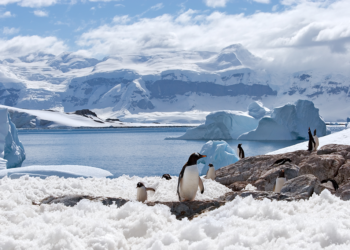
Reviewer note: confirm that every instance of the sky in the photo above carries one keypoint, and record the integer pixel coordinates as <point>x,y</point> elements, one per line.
<point>287,33</point>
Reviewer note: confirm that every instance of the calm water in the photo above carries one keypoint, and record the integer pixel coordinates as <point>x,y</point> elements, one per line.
<point>134,151</point>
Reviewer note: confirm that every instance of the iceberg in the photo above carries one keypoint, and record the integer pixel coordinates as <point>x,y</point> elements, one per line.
<point>218,153</point>
<point>289,122</point>
<point>11,149</point>
<point>222,125</point>
<point>257,110</point>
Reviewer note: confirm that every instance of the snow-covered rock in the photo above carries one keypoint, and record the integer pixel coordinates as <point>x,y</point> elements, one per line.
<point>289,122</point>
<point>257,110</point>
<point>222,125</point>
<point>11,149</point>
<point>218,153</point>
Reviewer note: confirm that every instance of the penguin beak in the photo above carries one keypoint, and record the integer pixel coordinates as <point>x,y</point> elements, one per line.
<point>202,156</point>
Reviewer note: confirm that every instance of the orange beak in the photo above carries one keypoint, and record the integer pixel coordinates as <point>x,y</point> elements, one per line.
<point>203,156</point>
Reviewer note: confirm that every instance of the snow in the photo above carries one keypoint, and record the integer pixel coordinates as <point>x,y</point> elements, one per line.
<point>43,171</point>
<point>224,125</point>
<point>257,110</point>
<point>322,222</point>
<point>218,153</point>
<point>289,122</point>
<point>342,137</point>
<point>11,148</point>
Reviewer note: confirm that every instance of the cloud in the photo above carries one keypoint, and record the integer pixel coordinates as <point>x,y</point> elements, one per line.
<point>305,35</point>
<point>30,3</point>
<point>10,31</point>
<point>216,3</point>
<point>262,1</point>
<point>24,45</point>
<point>157,6</point>
<point>6,14</point>
<point>41,13</point>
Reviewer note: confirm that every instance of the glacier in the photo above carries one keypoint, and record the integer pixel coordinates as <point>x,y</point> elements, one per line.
<point>289,122</point>
<point>11,149</point>
<point>218,153</point>
<point>222,125</point>
<point>257,110</point>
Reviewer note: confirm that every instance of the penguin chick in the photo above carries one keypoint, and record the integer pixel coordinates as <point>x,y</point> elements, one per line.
<point>317,143</point>
<point>166,176</point>
<point>142,192</point>
<point>240,151</point>
<point>189,179</point>
<point>280,180</point>
<point>211,172</point>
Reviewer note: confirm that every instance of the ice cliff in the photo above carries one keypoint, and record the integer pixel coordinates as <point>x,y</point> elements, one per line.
<point>257,110</point>
<point>11,149</point>
<point>289,122</point>
<point>218,153</point>
<point>222,125</point>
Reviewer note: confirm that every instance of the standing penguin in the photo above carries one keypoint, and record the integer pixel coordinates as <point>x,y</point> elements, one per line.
<point>280,180</point>
<point>240,151</point>
<point>311,141</point>
<point>211,172</point>
<point>142,192</point>
<point>316,140</point>
<point>189,179</point>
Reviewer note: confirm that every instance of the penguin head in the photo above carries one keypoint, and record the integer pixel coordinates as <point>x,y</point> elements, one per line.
<point>139,185</point>
<point>315,132</point>
<point>309,130</point>
<point>166,176</point>
<point>239,145</point>
<point>281,174</point>
<point>211,165</point>
<point>194,158</point>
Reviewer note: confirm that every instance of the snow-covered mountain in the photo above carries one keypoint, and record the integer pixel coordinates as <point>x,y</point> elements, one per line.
<point>165,82</point>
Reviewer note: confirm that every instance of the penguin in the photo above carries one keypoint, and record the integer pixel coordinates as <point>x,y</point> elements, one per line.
<point>281,161</point>
<point>166,176</point>
<point>334,183</point>
<point>312,143</point>
<point>316,140</point>
<point>211,172</point>
<point>280,180</point>
<point>240,151</point>
<point>142,192</point>
<point>189,179</point>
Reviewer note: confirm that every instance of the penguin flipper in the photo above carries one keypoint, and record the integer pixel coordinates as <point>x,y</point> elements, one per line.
<point>150,189</point>
<point>179,180</point>
<point>201,186</point>
<point>274,187</point>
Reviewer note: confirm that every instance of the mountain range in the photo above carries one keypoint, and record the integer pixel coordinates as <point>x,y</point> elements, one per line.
<point>165,82</point>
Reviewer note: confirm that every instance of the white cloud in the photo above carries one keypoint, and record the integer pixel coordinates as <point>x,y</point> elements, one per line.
<point>10,31</point>
<point>24,45</point>
<point>262,1</point>
<point>121,19</point>
<point>157,6</point>
<point>30,3</point>
<point>216,3</point>
<point>305,35</point>
<point>6,14</point>
<point>41,13</point>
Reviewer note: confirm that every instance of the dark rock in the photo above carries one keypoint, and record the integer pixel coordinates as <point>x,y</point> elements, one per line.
<point>238,185</point>
<point>344,191</point>
<point>259,195</point>
<point>85,112</point>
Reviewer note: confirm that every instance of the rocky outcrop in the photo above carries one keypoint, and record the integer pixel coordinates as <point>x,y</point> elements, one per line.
<point>304,171</point>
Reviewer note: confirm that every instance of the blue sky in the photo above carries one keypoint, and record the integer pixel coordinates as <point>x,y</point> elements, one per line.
<point>287,32</point>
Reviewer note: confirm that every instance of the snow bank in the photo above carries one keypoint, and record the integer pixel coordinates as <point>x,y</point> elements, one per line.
<point>219,153</point>
<point>67,171</point>
<point>11,149</point>
<point>257,110</point>
<point>289,122</point>
<point>222,125</point>
<point>342,137</point>
<point>322,222</point>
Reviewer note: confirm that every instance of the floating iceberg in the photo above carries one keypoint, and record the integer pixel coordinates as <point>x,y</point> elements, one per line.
<point>257,110</point>
<point>218,153</point>
<point>11,149</point>
<point>222,125</point>
<point>289,122</point>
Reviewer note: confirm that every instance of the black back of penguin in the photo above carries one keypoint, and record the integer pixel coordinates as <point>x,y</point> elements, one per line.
<point>312,143</point>
<point>241,151</point>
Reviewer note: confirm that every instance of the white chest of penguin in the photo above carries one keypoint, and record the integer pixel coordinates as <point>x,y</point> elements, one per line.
<point>279,184</point>
<point>211,173</point>
<point>141,194</point>
<point>189,183</point>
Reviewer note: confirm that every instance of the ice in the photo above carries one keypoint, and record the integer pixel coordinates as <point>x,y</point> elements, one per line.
<point>67,171</point>
<point>257,110</point>
<point>218,153</point>
<point>289,122</point>
<point>11,148</point>
<point>322,222</point>
<point>222,125</point>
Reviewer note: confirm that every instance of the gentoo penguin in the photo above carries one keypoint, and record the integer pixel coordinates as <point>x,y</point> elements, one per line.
<point>334,183</point>
<point>211,172</point>
<point>316,140</point>
<point>189,179</point>
<point>281,161</point>
<point>166,176</point>
<point>240,151</point>
<point>312,143</point>
<point>279,182</point>
<point>142,192</point>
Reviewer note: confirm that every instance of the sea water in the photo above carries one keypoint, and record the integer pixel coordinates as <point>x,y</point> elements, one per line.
<point>130,151</point>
